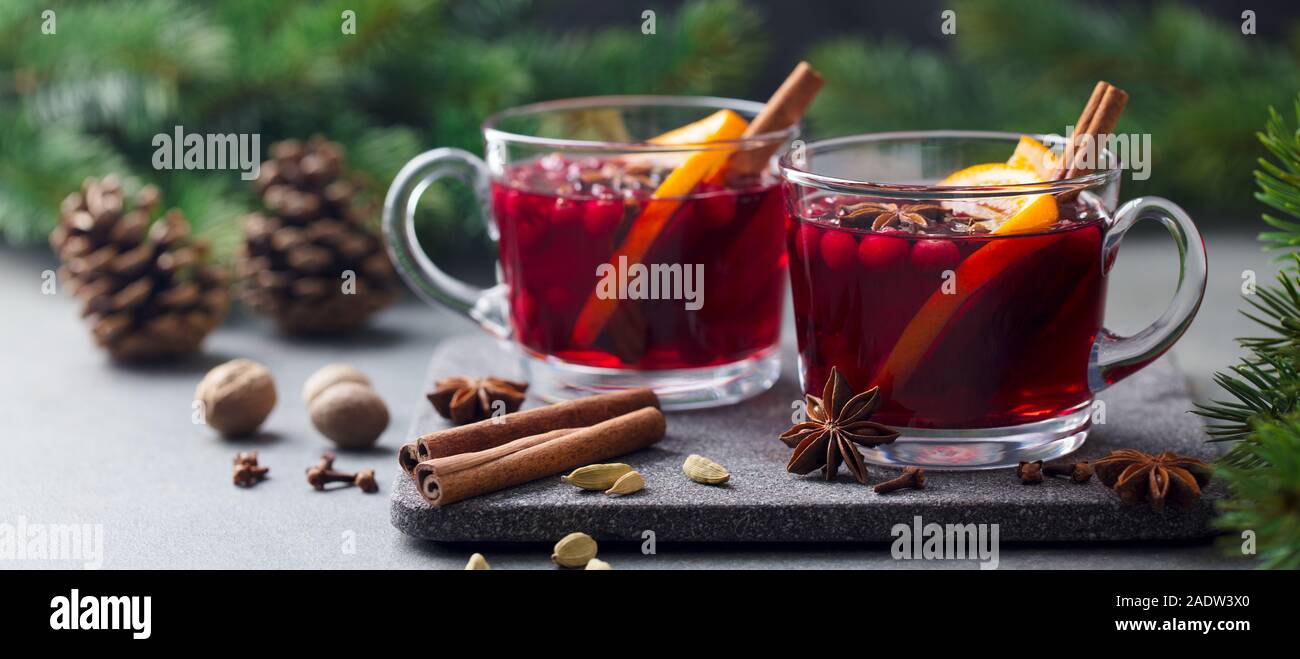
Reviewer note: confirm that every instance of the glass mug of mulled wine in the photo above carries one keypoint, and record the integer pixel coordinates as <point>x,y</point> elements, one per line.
<point>969,290</point>
<point>634,249</point>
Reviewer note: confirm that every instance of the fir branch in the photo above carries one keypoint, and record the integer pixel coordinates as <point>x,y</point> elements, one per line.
<point>1266,493</point>
<point>1279,182</point>
<point>417,73</point>
<point>857,72</point>
<point>40,165</point>
<point>621,60</point>
<point>1265,385</point>
<point>213,205</point>
<point>1263,388</point>
<point>120,66</point>
<point>1278,310</point>
<point>1263,468</point>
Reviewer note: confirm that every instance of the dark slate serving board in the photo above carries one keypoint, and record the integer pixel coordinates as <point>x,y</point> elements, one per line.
<point>763,503</point>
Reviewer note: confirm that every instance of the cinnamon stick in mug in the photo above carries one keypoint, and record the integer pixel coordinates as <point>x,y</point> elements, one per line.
<point>784,109</point>
<point>1098,119</point>
<point>489,433</point>
<point>457,477</point>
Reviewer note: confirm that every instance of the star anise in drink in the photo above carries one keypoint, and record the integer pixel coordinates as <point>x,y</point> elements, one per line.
<point>1136,477</point>
<point>463,399</point>
<point>836,423</point>
<point>885,214</point>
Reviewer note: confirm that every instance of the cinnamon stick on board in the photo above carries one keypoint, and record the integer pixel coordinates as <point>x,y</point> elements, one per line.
<point>454,478</point>
<point>489,433</point>
<point>408,456</point>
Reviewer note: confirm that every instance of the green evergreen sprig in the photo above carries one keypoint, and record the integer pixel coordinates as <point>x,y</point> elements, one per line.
<point>1279,182</point>
<point>1277,309</point>
<point>1263,468</point>
<point>1266,493</point>
<point>1265,387</point>
<point>417,74</point>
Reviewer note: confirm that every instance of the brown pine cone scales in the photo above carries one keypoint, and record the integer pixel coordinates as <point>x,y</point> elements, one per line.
<point>309,261</point>
<point>149,293</point>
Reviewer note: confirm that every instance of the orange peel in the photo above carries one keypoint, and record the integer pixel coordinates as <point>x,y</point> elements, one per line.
<point>722,125</point>
<point>1031,163</point>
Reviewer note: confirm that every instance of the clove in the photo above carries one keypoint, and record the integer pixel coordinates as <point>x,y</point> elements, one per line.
<point>912,477</point>
<point>1079,472</point>
<point>323,473</point>
<point>247,473</point>
<point>1030,473</point>
<point>365,479</point>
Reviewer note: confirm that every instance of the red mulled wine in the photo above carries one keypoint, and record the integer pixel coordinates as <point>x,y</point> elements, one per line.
<point>960,329</point>
<point>709,286</point>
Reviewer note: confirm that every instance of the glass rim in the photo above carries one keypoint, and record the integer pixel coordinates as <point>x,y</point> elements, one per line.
<point>803,176</point>
<point>492,133</point>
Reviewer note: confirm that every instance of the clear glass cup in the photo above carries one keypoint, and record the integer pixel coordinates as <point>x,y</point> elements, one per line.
<point>570,192</point>
<point>988,348</point>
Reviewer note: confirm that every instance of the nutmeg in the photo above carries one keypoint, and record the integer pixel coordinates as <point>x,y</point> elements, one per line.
<point>237,396</point>
<point>331,374</point>
<point>350,414</point>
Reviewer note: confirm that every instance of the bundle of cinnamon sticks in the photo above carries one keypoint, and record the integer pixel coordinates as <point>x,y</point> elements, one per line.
<point>1097,120</point>
<point>466,461</point>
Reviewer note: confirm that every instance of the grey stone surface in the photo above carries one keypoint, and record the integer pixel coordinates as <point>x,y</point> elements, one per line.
<point>84,441</point>
<point>763,503</point>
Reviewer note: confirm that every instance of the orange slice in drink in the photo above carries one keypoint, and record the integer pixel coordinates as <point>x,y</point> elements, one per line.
<point>1020,214</point>
<point>701,132</point>
<point>696,132</point>
<point>1035,156</point>
<point>720,126</point>
<point>991,173</point>
<point>1008,214</point>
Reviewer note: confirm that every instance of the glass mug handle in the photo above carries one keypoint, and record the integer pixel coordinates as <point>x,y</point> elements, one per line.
<point>487,306</point>
<point>1117,357</point>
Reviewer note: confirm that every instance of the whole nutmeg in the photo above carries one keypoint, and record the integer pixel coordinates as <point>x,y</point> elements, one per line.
<point>237,396</point>
<point>328,375</point>
<point>350,414</point>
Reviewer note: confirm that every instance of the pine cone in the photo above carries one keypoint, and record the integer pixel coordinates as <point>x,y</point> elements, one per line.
<point>148,292</point>
<point>309,261</point>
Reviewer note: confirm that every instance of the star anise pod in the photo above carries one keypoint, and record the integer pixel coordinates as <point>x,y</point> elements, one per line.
<point>1136,476</point>
<point>884,214</point>
<point>836,422</point>
<point>464,400</point>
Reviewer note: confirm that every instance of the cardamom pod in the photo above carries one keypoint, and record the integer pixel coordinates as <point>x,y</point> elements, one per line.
<point>597,564</point>
<point>477,562</point>
<point>574,550</point>
<point>703,470</point>
<point>628,483</point>
<point>596,477</point>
